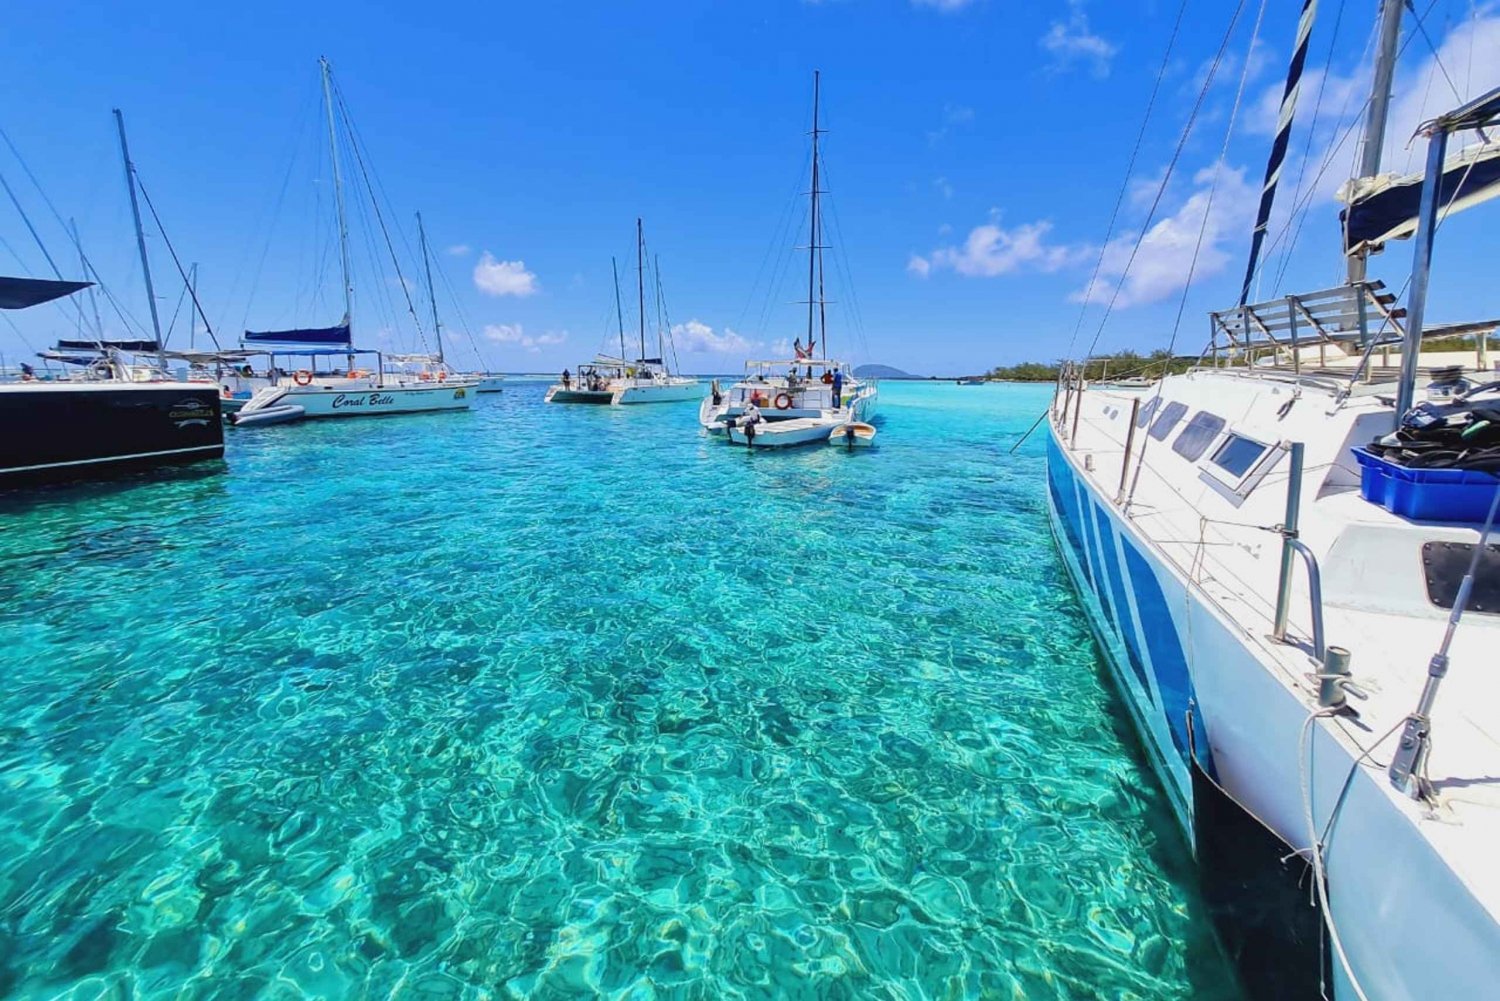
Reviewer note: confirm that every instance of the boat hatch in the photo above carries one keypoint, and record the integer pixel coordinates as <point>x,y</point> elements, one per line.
<point>1238,463</point>
<point>1198,435</point>
<point>1444,565</point>
<point>1167,420</point>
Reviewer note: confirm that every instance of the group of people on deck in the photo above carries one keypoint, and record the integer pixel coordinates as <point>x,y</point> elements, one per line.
<point>588,379</point>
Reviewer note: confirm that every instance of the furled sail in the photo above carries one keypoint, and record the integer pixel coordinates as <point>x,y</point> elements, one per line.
<point>337,337</point>
<point>1385,207</point>
<point>20,293</point>
<point>133,347</point>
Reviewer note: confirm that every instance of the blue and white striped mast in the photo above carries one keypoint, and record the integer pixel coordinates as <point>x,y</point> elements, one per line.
<point>1278,148</point>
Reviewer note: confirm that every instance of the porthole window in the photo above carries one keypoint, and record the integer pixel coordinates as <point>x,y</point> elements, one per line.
<point>1238,455</point>
<point>1167,420</point>
<point>1198,435</point>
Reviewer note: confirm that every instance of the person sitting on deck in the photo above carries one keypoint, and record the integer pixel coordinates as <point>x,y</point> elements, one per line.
<point>567,379</point>
<point>838,388</point>
<point>827,377</point>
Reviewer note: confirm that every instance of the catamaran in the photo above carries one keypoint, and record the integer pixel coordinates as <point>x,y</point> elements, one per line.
<point>418,383</point>
<point>611,380</point>
<point>807,399</point>
<point>1289,557</point>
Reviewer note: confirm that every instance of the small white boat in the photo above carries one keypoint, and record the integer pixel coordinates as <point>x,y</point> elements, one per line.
<point>853,435</point>
<point>489,383</point>
<point>278,414</point>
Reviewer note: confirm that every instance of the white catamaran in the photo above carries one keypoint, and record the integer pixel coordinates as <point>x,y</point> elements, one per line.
<point>608,380</point>
<point>418,383</point>
<point>808,399</point>
<point>1289,557</point>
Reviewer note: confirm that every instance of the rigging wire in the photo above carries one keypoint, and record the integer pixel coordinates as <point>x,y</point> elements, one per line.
<point>1140,136</point>
<point>1161,189</point>
<point>182,272</point>
<point>291,162</point>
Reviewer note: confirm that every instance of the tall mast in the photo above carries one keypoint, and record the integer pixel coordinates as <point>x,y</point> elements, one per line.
<point>437,327</point>
<point>338,189</point>
<point>140,234</point>
<point>661,308</point>
<point>813,237</point>
<point>619,307</point>
<point>1380,103</point>
<point>640,276</point>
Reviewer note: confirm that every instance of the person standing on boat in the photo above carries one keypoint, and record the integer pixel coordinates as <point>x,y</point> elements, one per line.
<point>838,388</point>
<point>567,379</point>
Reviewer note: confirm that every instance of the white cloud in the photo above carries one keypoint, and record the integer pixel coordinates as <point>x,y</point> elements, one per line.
<point>992,250</point>
<point>942,5</point>
<point>513,333</point>
<point>1166,252</point>
<point>494,277</point>
<point>1073,41</point>
<point>953,114</point>
<point>459,250</point>
<point>944,186</point>
<point>781,348</point>
<point>697,337</point>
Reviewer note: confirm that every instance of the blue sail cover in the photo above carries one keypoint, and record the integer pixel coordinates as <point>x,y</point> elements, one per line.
<point>134,347</point>
<point>20,293</point>
<point>1388,210</point>
<point>319,336</point>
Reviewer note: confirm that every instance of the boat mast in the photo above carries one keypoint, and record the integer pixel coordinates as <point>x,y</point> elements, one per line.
<point>140,236</point>
<point>437,327</point>
<point>814,256</point>
<point>619,307</point>
<point>338,189</point>
<point>1380,104</point>
<point>640,275</point>
<point>83,263</point>
<point>193,291</point>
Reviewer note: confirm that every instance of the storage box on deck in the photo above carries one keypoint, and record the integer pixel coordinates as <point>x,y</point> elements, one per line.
<point>1425,494</point>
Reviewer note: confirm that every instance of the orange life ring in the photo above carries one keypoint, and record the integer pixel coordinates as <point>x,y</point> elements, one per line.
<point>783,401</point>
<point>442,376</point>
<point>302,377</point>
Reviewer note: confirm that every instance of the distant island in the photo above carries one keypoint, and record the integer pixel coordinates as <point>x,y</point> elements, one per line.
<point>1098,368</point>
<point>882,372</point>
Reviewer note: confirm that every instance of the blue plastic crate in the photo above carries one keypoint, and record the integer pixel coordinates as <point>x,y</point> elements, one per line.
<point>1425,494</point>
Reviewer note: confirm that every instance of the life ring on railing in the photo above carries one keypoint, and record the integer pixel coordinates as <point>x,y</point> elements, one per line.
<point>424,376</point>
<point>783,401</point>
<point>302,377</point>
<point>442,376</point>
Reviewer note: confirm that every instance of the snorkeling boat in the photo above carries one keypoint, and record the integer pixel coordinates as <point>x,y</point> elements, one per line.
<point>488,383</point>
<point>616,381</point>
<point>1289,557</point>
<point>787,392</point>
<point>805,399</point>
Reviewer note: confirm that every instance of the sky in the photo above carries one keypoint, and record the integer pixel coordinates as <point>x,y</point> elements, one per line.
<point>975,155</point>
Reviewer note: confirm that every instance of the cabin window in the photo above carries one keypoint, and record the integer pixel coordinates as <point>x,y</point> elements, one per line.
<point>1444,565</point>
<point>1166,421</point>
<point>1147,409</point>
<point>1197,436</point>
<point>1238,455</point>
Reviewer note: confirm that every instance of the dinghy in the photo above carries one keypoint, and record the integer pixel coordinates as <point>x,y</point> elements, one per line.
<point>268,415</point>
<point>853,435</point>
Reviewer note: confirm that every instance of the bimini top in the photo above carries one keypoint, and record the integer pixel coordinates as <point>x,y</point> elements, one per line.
<point>322,336</point>
<point>22,293</point>
<point>789,362</point>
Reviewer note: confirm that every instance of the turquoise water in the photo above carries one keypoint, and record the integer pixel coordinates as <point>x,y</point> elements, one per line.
<point>564,702</point>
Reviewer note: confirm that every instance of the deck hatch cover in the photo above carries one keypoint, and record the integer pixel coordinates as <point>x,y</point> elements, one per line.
<point>1167,420</point>
<point>1198,435</point>
<point>1444,565</point>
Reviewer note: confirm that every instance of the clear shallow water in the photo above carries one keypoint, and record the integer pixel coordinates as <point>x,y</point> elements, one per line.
<point>558,701</point>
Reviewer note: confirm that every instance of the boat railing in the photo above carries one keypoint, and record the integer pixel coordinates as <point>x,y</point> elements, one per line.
<point>1333,317</point>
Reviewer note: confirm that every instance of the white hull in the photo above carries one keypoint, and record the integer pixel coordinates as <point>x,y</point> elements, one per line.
<point>1179,606</point>
<point>491,384</point>
<point>675,391</point>
<point>360,399</point>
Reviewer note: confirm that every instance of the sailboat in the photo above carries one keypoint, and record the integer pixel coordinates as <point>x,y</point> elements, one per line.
<point>607,380</point>
<point>119,410</point>
<point>414,384</point>
<point>807,399</point>
<point>1294,583</point>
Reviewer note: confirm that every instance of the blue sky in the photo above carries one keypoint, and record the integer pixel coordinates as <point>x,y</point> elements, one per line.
<point>976,151</point>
